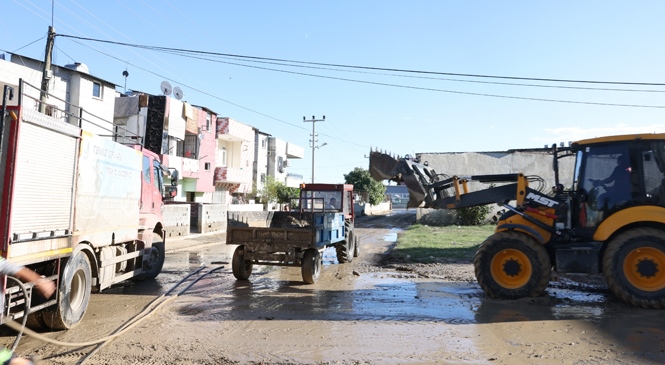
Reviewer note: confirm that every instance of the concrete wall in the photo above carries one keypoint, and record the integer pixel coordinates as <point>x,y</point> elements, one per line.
<point>368,209</point>
<point>176,220</point>
<point>245,207</point>
<point>529,162</point>
<point>212,218</point>
<point>435,217</point>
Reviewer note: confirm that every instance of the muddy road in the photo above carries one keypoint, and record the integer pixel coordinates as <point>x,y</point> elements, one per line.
<point>363,312</point>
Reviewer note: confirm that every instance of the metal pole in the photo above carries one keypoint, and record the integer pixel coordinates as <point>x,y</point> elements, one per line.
<point>313,140</point>
<point>313,146</point>
<point>47,68</point>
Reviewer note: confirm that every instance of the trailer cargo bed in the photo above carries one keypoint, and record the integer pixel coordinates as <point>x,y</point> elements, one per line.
<point>281,238</point>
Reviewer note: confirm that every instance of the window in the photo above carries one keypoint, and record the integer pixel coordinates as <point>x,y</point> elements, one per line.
<point>263,143</point>
<point>97,90</point>
<point>208,121</point>
<point>222,156</point>
<point>159,178</point>
<point>280,164</point>
<point>207,166</point>
<point>147,175</point>
<point>191,146</point>
<point>263,178</point>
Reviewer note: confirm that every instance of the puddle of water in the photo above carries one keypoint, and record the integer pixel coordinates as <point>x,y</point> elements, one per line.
<point>390,237</point>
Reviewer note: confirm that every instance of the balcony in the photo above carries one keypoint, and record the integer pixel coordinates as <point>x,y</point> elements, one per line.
<point>294,151</point>
<point>233,131</point>
<point>233,179</point>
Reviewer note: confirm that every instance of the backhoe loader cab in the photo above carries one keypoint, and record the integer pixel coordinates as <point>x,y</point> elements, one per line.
<point>610,221</point>
<point>612,174</point>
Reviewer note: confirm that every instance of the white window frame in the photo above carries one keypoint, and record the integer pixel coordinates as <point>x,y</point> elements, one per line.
<point>222,156</point>
<point>101,90</point>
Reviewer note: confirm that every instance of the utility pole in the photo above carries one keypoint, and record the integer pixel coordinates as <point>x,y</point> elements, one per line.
<point>314,140</point>
<point>47,69</point>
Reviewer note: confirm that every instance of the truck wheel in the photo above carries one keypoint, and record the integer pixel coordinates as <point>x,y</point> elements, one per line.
<point>242,268</point>
<point>73,294</point>
<point>634,267</point>
<point>512,265</point>
<point>153,266</point>
<point>311,266</point>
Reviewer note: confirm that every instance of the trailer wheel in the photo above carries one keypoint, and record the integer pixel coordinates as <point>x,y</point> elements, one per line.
<point>242,268</point>
<point>356,251</point>
<point>634,267</point>
<point>346,248</point>
<point>512,265</point>
<point>73,294</point>
<point>153,266</point>
<point>311,266</point>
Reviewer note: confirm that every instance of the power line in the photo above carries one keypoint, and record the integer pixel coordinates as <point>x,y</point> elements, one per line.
<point>29,44</point>
<point>448,79</point>
<point>435,90</point>
<point>217,97</point>
<point>179,52</point>
<point>196,89</point>
<point>367,67</point>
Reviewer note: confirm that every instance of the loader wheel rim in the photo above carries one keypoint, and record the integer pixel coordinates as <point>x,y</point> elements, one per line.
<point>511,268</point>
<point>644,268</point>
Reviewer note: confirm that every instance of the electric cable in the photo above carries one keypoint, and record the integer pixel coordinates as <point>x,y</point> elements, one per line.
<point>150,309</point>
<point>413,87</point>
<point>26,309</point>
<point>186,54</point>
<point>29,44</point>
<point>366,67</point>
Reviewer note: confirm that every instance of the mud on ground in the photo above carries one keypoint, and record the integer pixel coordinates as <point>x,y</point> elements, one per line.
<point>370,311</point>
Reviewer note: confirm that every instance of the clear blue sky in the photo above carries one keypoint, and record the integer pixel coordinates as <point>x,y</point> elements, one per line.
<point>573,40</point>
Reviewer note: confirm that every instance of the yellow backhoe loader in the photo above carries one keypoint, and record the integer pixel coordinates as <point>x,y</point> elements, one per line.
<point>611,220</point>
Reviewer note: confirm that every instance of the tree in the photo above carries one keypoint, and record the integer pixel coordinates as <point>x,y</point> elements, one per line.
<point>275,191</point>
<point>269,191</point>
<point>363,181</point>
<point>285,194</point>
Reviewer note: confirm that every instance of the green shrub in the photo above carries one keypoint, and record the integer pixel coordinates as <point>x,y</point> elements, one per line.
<point>472,216</point>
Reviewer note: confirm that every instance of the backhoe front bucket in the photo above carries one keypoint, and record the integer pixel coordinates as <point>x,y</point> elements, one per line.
<point>382,166</point>
<point>417,177</point>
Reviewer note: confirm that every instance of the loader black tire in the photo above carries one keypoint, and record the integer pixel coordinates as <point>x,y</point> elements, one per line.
<point>155,262</point>
<point>73,294</point>
<point>634,267</point>
<point>512,265</point>
<point>242,269</point>
<point>311,266</point>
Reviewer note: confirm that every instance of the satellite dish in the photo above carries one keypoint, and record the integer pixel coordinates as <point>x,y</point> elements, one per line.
<point>177,92</point>
<point>166,88</point>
